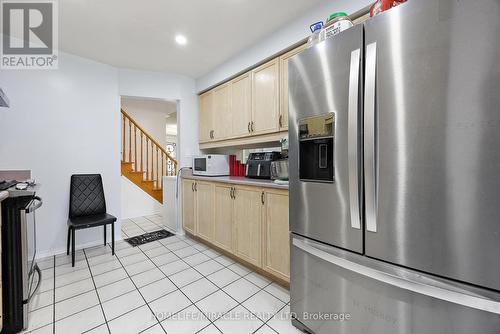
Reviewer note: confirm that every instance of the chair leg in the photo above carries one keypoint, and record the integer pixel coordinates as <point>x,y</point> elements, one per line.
<point>72,247</point>
<point>69,240</point>
<point>113,238</point>
<point>105,228</point>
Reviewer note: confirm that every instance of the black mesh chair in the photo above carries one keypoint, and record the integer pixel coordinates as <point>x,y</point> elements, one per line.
<point>87,208</point>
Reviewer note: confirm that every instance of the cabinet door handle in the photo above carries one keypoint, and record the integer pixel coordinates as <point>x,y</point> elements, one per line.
<point>192,186</point>
<point>231,192</point>
<point>281,121</point>
<point>195,186</point>
<point>251,127</point>
<point>262,197</point>
<point>234,193</point>
<point>213,134</point>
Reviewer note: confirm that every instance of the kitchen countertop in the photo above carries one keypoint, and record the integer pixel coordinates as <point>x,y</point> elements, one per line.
<point>240,180</point>
<point>13,192</point>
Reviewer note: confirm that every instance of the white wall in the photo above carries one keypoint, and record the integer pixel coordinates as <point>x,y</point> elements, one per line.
<point>293,32</point>
<point>67,121</point>
<point>63,122</point>
<point>136,202</point>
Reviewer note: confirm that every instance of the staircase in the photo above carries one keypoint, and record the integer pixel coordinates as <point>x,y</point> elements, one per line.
<point>144,161</point>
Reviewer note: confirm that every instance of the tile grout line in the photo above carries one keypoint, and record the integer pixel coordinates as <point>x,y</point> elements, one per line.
<point>145,301</point>
<point>192,244</point>
<point>105,272</point>
<point>54,301</point>
<point>96,292</point>
<point>96,289</point>
<point>218,288</point>
<point>141,250</point>
<point>192,303</point>
<point>222,289</point>
<point>179,289</point>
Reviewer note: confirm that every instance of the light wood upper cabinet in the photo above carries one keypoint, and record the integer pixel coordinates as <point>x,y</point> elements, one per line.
<point>283,116</point>
<point>241,105</point>
<point>205,210</point>
<point>188,206</point>
<point>223,207</point>
<point>222,115</point>
<point>248,224</point>
<point>206,116</point>
<point>265,97</point>
<point>276,234</point>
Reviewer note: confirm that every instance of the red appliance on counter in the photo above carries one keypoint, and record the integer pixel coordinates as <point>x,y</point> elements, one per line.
<point>236,168</point>
<point>232,165</point>
<point>382,5</point>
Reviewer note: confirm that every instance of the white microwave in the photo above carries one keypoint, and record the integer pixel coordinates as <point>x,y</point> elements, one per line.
<point>211,165</point>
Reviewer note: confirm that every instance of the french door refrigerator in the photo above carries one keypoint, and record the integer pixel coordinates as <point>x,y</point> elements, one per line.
<point>395,174</point>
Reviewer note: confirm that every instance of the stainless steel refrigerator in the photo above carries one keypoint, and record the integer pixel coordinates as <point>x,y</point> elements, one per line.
<point>394,155</point>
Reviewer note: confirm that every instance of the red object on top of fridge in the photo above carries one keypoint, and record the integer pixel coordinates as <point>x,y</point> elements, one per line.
<point>382,5</point>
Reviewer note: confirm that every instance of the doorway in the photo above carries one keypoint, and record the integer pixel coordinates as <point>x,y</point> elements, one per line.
<point>149,149</point>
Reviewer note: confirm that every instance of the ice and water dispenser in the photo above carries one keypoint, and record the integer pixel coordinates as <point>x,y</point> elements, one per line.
<point>316,148</point>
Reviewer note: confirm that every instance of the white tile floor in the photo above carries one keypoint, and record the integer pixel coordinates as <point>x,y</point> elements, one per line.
<point>175,285</point>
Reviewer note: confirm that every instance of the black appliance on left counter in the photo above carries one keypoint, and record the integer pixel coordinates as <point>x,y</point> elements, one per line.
<point>21,276</point>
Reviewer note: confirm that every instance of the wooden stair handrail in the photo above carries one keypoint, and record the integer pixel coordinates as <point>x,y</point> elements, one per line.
<point>148,136</point>
<point>141,160</point>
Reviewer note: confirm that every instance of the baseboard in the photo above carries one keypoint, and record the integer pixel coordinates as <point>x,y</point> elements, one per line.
<point>53,252</point>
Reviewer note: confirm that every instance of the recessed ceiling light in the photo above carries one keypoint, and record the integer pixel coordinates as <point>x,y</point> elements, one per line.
<point>181,39</point>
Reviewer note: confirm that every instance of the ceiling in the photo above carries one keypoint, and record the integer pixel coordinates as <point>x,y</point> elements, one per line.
<point>141,34</point>
<point>161,106</point>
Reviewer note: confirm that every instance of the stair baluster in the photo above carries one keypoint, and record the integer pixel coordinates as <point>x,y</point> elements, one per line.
<point>136,165</point>
<point>123,135</point>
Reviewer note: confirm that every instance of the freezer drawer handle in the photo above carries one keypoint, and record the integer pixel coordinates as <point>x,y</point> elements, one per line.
<point>353,144</point>
<point>370,138</point>
<point>460,298</point>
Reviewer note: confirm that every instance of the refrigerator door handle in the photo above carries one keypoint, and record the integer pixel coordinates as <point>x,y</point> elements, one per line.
<point>451,295</point>
<point>370,138</point>
<point>353,144</point>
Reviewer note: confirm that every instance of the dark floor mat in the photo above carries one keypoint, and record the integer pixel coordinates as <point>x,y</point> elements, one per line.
<point>148,237</point>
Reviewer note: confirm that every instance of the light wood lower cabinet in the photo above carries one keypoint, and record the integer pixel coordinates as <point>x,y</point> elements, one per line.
<point>188,206</point>
<point>276,234</point>
<point>198,208</point>
<point>247,221</point>
<point>223,217</point>
<point>204,194</point>
<point>248,203</point>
